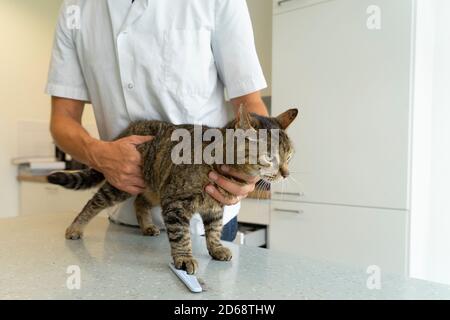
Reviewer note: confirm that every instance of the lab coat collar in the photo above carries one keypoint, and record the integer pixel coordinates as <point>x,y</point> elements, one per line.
<point>136,11</point>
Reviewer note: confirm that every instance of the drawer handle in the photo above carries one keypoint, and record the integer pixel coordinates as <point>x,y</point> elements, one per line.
<point>280,3</point>
<point>298,194</point>
<point>288,211</point>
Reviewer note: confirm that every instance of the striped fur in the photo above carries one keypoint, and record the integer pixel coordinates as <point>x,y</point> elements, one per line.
<point>77,180</point>
<point>179,189</point>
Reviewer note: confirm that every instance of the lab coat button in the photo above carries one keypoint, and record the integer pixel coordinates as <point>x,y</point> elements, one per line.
<point>130,86</point>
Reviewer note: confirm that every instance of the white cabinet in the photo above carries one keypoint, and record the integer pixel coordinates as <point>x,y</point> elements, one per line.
<point>42,198</point>
<point>280,6</point>
<point>352,87</point>
<point>359,237</point>
<point>255,211</point>
<point>348,198</point>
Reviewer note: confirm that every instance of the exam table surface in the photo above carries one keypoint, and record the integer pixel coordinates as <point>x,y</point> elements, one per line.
<point>117,262</point>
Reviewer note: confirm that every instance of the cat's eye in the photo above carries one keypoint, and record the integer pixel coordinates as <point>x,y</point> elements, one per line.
<point>265,160</point>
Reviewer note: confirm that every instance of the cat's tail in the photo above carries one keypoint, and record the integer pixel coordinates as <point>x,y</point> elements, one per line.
<point>76,180</point>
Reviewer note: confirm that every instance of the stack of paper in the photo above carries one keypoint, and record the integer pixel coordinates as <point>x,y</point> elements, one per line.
<point>40,164</point>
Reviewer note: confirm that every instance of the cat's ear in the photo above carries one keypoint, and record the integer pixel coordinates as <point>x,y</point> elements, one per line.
<point>243,120</point>
<point>285,119</point>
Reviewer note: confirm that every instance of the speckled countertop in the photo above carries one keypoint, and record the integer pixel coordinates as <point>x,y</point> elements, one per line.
<point>118,263</point>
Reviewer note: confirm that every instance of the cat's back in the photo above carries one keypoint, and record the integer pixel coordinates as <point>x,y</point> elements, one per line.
<point>146,128</point>
<point>157,128</point>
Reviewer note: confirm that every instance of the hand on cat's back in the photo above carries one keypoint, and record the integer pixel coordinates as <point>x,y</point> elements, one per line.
<point>240,191</point>
<point>120,162</point>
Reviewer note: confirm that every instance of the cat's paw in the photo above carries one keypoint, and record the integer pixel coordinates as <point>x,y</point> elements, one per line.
<point>187,263</point>
<point>73,233</point>
<point>221,253</point>
<point>151,230</point>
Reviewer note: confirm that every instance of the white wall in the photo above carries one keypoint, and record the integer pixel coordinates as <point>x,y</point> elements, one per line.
<point>261,13</point>
<point>440,174</point>
<point>430,214</point>
<point>27,34</point>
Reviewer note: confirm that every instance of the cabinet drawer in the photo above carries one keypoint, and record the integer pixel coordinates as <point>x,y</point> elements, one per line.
<point>358,237</point>
<point>255,211</point>
<point>280,6</point>
<point>290,189</point>
<point>251,236</point>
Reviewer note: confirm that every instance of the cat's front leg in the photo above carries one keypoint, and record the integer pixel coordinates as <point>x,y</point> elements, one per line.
<point>213,232</point>
<point>176,218</point>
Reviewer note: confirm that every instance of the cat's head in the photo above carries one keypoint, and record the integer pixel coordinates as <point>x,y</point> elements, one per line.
<point>272,163</point>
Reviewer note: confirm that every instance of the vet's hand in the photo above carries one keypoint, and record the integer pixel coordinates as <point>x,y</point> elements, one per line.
<point>239,191</point>
<point>120,162</point>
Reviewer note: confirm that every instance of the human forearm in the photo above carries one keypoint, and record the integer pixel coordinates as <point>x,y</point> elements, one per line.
<point>118,160</point>
<point>253,102</point>
<point>68,132</point>
<point>74,140</point>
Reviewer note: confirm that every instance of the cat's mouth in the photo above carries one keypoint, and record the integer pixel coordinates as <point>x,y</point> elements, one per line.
<point>273,178</point>
<point>270,178</point>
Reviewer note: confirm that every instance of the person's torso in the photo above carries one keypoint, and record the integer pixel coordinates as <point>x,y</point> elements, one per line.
<point>150,60</point>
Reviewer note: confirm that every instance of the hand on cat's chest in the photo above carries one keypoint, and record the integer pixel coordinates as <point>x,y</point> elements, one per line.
<point>232,188</point>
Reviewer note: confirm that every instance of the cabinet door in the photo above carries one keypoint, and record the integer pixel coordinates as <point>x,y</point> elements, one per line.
<point>352,87</point>
<point>358,237</point>
<point>280,6</point>
<point>42,198</point>
<point>255,211</point>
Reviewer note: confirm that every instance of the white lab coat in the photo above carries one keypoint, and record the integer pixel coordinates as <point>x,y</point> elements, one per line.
<point>161,60</point>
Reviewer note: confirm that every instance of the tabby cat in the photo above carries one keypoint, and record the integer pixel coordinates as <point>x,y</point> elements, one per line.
<point>179,188</point>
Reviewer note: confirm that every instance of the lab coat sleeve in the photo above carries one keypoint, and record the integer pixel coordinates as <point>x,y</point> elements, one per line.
<point>234,49</point>
<point>65,76</point>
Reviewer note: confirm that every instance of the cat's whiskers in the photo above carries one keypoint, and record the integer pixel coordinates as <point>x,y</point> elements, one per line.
<point>300,185</point>
<point>282,188</point>
<point>260,193</point>
<point>261,189</point>
<point>267,186</point>
<point>305,172</point>
<point>258,190</point>
<point>262,185</point>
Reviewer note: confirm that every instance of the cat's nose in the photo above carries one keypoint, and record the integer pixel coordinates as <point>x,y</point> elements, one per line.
<point>284,173</point>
